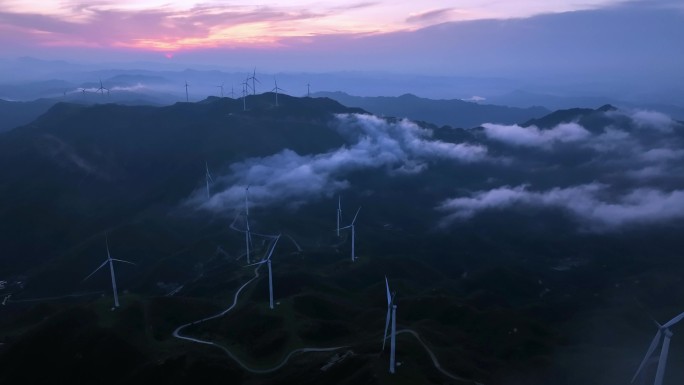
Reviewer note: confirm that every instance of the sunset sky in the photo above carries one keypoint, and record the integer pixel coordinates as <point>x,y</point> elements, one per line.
<point>170,26</point>
<point>464,37</point>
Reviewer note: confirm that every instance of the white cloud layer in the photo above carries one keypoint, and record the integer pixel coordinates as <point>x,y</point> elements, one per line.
<point>291,179</point>
<point>591,203</point>
<point>532,136</point>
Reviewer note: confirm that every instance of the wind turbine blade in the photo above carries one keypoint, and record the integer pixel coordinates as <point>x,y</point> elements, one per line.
<point>673,321</point>
<point>95,271</point>
<point>121,260</point>
<point>346,227</point>
<point>662,360</point>
<point>389,295</point>
<point>273,247</point>
<point>649,353</point>
<point>356,215</point>
<point>387,322</point>
<point>109,256</point>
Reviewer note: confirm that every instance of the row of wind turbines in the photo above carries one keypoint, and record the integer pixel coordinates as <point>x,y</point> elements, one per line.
<point>247,88</point>
<point>663,335</point>
<point>391,302</point>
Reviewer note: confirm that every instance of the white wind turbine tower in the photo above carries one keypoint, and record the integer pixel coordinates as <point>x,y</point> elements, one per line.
<point>102,89</point>
<point>221,87</point>
<point>209,179</point>
<point>267,261</point>
<point>110,261</point>
<point>339,214</point>
<point>353,232</point>
<point>665,334</point>
<point>254,79</point>
<point>187,98</point>
<point>391,316</point>
<point>245,86</point>
<point>276,89</point>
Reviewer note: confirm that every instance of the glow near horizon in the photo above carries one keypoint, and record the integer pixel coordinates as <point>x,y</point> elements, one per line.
<point>170,26</point>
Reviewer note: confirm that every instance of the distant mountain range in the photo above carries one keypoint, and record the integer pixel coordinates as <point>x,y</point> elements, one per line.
<point>524,99</point>
<point>454,112</point>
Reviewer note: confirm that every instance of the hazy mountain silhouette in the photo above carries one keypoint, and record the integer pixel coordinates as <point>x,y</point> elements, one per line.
<point>454,112</point>
<point>74,159</point>
<point>15,114</point>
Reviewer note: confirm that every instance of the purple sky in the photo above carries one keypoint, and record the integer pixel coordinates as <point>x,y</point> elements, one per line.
<point>583,39</point>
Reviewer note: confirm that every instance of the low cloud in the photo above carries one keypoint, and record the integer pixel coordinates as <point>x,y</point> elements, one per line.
<point>592,204</point>
<point>533,136</point>
<point>293,179</point>
<point>652,120</point>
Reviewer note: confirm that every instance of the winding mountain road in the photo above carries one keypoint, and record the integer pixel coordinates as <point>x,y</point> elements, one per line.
<point>434,357</point>
<point>283,362</point>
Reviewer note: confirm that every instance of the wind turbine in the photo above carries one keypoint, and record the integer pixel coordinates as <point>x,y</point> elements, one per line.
<point>339,214</point>
<point>666,334</point>
<point>267,261</point>
<point>391,316</point>
<point>208,178</point>
<point>308,90</point>
<point>110,261</point>
<point>245,86</point>
<point>353,231</point>
<point>221,87</point>
<point>102,89</point>
<point>232,92</point>
<point>276,89</point>
<point>187,98</point>
<point>254,79</point>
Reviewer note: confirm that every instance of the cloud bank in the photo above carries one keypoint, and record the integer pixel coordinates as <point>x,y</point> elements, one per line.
<point>637,156</point>
<point>292,179</point>
<point>593,204</point>
<point>535,137</point>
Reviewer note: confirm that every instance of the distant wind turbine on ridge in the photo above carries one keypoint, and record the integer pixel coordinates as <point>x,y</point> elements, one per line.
<point>308,90</point>
<point>267,261</point>
<point>209,179</point>
<point>353,234</point>
<point>102,89</point>
<point>665,334</point>
<point>254,80</point>
<point>276,89</point>
<point>187,98</point>
<point>110,261</point>
<point>391,317</point>
<point>245,91</point>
